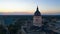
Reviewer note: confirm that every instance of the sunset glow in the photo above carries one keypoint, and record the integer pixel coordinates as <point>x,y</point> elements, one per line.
<point>29,6</point>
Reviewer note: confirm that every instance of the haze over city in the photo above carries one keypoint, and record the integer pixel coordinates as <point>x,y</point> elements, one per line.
<point>19,7</point>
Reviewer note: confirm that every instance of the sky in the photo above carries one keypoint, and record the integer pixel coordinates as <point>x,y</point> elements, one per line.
<point>28,7</point>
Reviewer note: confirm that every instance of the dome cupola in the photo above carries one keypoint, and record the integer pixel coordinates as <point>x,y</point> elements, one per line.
<point>37,13</point>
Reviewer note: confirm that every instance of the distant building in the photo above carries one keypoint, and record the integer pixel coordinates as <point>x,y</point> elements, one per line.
<point>37,18</point>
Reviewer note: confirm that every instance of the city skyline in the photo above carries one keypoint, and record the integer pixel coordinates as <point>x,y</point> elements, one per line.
<point>46,7</point>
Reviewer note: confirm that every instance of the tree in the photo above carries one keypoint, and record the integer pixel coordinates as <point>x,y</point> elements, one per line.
<point>2,30</point>
<point>17,26</point>
<point>19,23</point>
